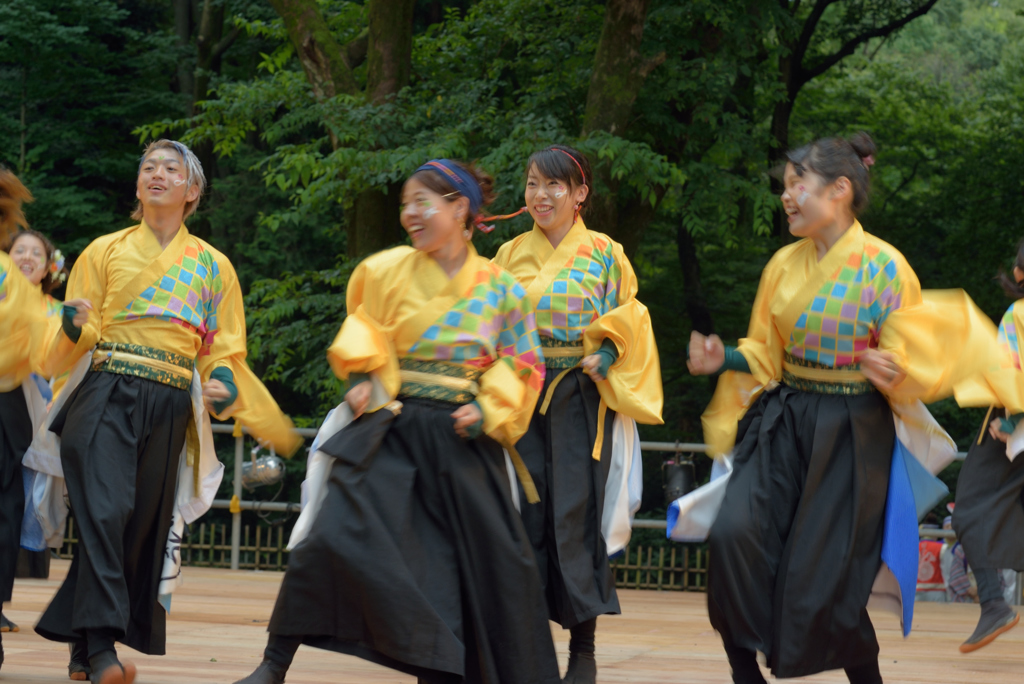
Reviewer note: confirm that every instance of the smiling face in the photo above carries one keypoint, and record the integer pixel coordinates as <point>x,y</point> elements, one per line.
<point>812,205</point>
<point>431,220</point>
<point>163,181</point>
<point>551,201</point>
<point>29,256</point>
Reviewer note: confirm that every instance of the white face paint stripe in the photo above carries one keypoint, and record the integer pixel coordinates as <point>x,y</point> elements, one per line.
<point>179,182</point>
<point>430,212</point>
<point>803,198</point>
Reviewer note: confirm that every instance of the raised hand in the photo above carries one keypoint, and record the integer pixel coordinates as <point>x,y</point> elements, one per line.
<point>707,354</point>
<point>358,398</point>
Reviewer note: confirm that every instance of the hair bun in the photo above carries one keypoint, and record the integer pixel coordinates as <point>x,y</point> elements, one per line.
<point>864,146</point>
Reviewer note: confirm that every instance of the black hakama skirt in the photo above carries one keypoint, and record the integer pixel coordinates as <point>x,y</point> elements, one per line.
<point>989,514</point>
<point>565,526</point>
<point>15,438</point>
<point>417,559</point>
<point>121,442</point>
<point>797,544</point>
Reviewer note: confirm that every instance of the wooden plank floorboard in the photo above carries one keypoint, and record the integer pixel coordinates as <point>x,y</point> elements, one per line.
<point>217,631</point>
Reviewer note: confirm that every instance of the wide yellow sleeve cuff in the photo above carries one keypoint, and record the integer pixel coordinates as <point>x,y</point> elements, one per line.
<point>734,394</point>
<point>362,347</point>
<point>507,404</point>
<point>943,343</point>
<point>633,386</point>
<point>256,409</point>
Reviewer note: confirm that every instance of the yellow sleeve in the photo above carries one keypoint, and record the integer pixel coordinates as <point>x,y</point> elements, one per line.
<point>997,386</point>
<point>254,407</point>
<point>23,325</point>
<point>633,385</point>
<point>947,346</point>
<point>510,388</point>
<point>362,345</point>
<point>735,391</point>
<point>88,280</point>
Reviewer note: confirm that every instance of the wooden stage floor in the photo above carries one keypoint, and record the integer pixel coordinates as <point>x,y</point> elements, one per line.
<point>216,635</point>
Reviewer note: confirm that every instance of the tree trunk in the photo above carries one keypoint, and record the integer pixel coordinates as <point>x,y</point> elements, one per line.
<point>619,72</point>
<point>320,54</point>
<point>780,143</point>
<point>183,32</point>
<point>388,64</point>
<point>693,291</point>
<point>376,224</point>
<point>389,51</point>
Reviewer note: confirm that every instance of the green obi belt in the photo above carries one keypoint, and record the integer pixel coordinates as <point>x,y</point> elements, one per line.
<point>808,376</point>
<point>439,380</point>
<point>158,365</point>
<point>560,355</point>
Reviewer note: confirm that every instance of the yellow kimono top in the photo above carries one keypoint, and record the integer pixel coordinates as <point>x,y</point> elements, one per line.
<point>23,325</point>
<point>585,292</point>
<point>185,300</point>
<point>424,334</point>
<point>814,316</point>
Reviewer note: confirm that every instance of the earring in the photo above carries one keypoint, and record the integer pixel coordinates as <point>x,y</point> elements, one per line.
<point>576,213</point>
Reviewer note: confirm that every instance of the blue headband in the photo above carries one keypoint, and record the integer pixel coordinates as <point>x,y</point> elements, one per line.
<point>462,180</point>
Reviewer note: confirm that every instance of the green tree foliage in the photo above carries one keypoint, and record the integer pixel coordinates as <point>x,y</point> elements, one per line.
<point>724,86</point>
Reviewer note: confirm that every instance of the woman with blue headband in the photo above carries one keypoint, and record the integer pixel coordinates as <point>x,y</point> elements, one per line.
<point>410,552</point>
<point>602,375</point>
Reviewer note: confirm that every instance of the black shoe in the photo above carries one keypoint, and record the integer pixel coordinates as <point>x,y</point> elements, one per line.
<point>107,669</point>
<point>996,617</point>
<point>268,672</point>
<point>6,625</point>
<point>78,664</point>
<point>582,669</point>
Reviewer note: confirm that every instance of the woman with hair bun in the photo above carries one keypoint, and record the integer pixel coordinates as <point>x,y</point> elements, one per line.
<point>410,552</point>
<point>808,412</point>
<point>602,375</point>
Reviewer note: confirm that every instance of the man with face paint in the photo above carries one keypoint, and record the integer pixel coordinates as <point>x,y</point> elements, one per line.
<point>153,335</point>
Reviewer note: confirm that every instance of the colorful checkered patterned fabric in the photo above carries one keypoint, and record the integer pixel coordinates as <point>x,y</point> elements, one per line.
<point>585,289</point>
<point>3,283</point>
<point>188,294</point>
<point>1008,338</point>
<point>492,322</point>
<point>845,317</point>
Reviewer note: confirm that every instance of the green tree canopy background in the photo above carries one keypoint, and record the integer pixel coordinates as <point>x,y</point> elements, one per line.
<point>309,114</point>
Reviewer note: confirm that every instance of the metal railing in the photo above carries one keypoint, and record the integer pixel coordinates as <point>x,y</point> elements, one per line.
<point>309,433</point>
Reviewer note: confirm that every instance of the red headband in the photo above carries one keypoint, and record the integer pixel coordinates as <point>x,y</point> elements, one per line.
<point>583,175</point>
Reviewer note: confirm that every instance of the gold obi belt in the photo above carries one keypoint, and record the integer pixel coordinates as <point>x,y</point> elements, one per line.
<point>808,376</point>
<point>439,380</point>
<point>144,362</point>
<point>559,355</point>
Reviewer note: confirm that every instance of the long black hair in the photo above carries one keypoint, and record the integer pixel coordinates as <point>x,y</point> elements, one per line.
<point>1013,289</point>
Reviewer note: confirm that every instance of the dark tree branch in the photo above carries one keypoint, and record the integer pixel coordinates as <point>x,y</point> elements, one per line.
<point>354,51</point>
<point>904,183</point>
<point>810,26</point>
<point>806,75</point>
<point>225,43</point>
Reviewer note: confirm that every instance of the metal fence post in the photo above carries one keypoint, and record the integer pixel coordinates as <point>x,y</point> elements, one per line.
<point>236,518</point>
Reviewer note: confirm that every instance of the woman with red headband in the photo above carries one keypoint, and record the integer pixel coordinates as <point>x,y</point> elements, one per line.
<point>410,552</point>
<point>602,371</point>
